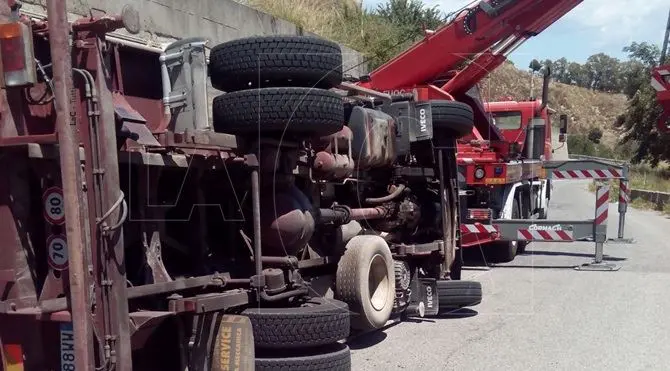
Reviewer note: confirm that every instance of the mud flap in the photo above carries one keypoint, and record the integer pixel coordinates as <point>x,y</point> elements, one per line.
<point>427,294</point>
<point>234,345</point>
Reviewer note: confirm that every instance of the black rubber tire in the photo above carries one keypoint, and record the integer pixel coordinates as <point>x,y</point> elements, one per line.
<point>458,294</point>
<point>272,61</point>
<point>275,111</point>
<point>506,251</point>
<point>336,357</point>
<point>320,321</point>
<point>456,117</point>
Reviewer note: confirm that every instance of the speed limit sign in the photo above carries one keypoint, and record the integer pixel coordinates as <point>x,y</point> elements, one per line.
<point>54,207</point>
<point>57,250</point>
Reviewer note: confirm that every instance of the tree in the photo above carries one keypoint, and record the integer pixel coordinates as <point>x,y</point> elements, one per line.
<point>643,111</point>
<point>578,75</point>
<point>560,70</point>
<point>633,75</point>
<point>646,53</point>
<point>603,72</point>
<point>639,123</point>
<point>411,15</point>
<point>595,135</point>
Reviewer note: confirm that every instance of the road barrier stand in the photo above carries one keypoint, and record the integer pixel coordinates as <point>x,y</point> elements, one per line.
<point>595,230</point>
<point>600,230</point>
<point>624,200</point>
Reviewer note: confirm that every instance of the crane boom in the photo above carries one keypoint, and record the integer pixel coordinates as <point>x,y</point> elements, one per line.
<point>488,61</point>
<point>483,33</point>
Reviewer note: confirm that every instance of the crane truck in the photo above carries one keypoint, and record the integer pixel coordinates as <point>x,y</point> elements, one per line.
<point>147,231</point>
<point>500,160</point>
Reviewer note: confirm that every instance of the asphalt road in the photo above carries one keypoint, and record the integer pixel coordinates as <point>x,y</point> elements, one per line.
<point>538,313</point>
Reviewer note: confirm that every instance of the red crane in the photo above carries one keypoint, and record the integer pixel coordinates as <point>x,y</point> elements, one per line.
<point>660,81</point>
<point>480,37</point>
<point>446,65</point>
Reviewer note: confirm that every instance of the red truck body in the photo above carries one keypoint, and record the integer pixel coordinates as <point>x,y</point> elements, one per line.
<point>660,81</point>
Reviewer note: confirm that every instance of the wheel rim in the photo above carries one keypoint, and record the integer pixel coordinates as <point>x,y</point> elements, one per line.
<point>378,282</point>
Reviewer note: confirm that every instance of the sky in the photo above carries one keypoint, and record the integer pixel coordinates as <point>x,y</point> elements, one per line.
<point>592,27</point>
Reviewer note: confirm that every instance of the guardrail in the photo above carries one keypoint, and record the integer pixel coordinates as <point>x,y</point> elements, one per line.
<point>659,199</point>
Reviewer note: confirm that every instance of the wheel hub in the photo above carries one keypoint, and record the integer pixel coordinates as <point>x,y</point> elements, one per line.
<point>378,282</point>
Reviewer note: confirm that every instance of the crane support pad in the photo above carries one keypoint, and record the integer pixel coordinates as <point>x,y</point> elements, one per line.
<point>549,230</point>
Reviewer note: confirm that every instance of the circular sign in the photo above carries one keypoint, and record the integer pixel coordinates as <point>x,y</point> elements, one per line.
<point>57,250</point>
<point>54,206</point>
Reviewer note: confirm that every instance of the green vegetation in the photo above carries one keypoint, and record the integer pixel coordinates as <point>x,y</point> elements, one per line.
<point>379,33</point>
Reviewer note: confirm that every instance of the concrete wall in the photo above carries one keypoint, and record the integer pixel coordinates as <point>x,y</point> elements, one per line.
<point>217,20</point>
<point>659,199</point>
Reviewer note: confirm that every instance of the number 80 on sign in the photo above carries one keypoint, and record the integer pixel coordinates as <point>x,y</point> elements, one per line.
<point>54,206</point>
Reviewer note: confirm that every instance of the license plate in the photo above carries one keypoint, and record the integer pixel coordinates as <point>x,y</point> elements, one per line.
<point>67,347</point>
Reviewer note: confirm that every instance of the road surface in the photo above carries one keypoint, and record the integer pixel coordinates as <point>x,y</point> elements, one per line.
<point>540,314</point>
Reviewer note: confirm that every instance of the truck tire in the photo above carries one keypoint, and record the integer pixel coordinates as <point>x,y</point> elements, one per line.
<point>272,61</point>
<point>320,321</point>
<point>336,357</point>
<point>277,110</point>
<point>458,294</point>
<point>365,281</point>
<point>456,117</point>
<point>506,251</point>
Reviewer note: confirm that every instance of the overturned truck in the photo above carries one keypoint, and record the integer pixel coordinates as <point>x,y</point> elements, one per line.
<point>139,233</point>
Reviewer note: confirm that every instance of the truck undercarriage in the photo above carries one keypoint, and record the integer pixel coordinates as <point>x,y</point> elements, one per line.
<point>144,235</point>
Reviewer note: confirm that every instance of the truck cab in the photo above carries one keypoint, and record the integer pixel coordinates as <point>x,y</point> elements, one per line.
<point>502,176</point>
<point>514,119</point>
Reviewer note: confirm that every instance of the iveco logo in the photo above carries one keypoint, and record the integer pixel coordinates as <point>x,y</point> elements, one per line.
<point>395,92</point>
<point>536,227</point>
<point>423,121</point>
<point>429,296</point>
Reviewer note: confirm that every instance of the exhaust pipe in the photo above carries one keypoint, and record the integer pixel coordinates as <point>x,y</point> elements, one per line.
<point>545,86</point>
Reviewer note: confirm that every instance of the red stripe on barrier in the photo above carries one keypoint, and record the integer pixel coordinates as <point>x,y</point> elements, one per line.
<point>564,236</point>
<point>624,186</point>
<point>545,235</point>
<point>603,199</point>
<point>559,174</point>
<point>615,173</point>
<point>527,235</point>
<point>573,174</point>
<point>601,218</point>
<point>601,173</point>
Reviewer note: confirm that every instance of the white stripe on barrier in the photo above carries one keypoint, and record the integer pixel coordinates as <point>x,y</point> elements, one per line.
<point>544,235</point>
<point>602,204</point>
<point>478,228</point>
<point>657,85</point>
<point>588,174</point>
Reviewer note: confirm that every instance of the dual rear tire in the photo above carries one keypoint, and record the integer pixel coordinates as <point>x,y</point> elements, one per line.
<point>277,86</point>
<point>305,337</point>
